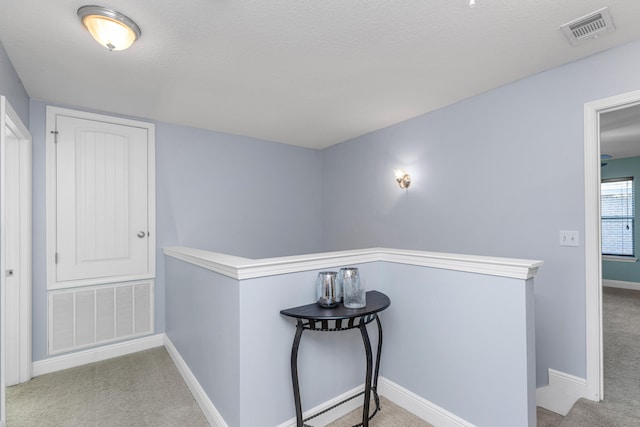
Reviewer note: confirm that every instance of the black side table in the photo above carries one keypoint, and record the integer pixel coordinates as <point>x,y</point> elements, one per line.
<point>316,318</point>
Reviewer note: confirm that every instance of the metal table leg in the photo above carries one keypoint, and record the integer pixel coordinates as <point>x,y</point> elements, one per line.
<point>340,318</point>
<point>294,373</point>
<point>371,376</point>
<point>379,353</point>
<point>367,384</point>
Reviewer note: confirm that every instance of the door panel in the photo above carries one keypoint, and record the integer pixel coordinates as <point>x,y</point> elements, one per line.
<point>12,257</point>
<point>15,251</point>
<point>101,199</point>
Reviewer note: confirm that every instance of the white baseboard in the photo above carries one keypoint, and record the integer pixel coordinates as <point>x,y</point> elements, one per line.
<point>399,395</point>
<point>206,406</point>
<point>561,393</point>
<point>420,407</point>
<point>97,354</point>
<point>332,415</point>
<point>621,284</point>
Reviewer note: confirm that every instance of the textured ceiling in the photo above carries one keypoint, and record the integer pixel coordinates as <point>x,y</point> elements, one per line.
<point>305,72</point>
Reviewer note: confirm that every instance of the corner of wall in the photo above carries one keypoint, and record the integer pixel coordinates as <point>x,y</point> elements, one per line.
<point>419,406</point>
<point>207,407</point>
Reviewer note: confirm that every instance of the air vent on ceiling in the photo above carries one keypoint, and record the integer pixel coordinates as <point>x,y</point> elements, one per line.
<point>589,26</point>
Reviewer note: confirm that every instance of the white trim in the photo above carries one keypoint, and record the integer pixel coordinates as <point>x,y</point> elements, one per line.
<point>617,258</point>
<point>51,114</point>
<point>206,406</point>
<point>26,230</point>
<point>593,255</point>
<point>71,284</point>
<point>399,395</point>
<point>420,407</point>
<point>96,354</point>
<point>10,119</point>
<point>3,311</point>
<point>245,268</point>
<point>621,284</point>
<point>562,392</point>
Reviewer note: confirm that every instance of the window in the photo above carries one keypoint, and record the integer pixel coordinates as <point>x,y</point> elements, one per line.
<point>617,203</point>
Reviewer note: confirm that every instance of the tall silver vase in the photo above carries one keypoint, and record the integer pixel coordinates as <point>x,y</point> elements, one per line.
<point>353,292</point>
<point>327,289</point>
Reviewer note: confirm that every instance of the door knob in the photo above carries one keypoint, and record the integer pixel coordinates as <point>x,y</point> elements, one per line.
<point>141,234</point>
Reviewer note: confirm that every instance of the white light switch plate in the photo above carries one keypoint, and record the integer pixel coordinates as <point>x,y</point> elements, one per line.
<point>569,238</point>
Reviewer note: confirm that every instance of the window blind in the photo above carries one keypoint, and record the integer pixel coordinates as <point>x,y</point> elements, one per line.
<point>618,215</point>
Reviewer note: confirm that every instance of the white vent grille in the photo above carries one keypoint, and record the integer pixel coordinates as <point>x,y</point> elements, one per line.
<point>89,316</point>
<point>589,26</point>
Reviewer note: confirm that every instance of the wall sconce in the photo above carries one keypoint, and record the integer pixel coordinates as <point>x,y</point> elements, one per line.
<point>402,178</point>
<point>111,29</point>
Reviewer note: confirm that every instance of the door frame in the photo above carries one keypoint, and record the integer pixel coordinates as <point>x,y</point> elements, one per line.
<point>10,119</point>
<point>593,252</point>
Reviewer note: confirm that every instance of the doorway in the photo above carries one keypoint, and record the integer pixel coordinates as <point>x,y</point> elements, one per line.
<point>15,251</point>
<point>593,248</point>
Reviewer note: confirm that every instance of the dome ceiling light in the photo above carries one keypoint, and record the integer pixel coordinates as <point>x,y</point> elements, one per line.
<point>111,29</point>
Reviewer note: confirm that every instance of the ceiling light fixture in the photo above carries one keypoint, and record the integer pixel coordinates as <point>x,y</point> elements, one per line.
<point>472,3</point>
<point>111,29</point>
<point>402,178</point>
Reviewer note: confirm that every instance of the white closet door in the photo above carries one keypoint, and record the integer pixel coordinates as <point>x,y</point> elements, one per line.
<point>101,199</point>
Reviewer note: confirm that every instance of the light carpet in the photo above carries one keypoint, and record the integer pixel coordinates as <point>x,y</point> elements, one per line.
<point>621,333</point>
<point>390,415</point>
<point>141,389</point>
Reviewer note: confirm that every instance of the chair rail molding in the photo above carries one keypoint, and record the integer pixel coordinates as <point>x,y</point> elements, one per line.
<point>245,268</point>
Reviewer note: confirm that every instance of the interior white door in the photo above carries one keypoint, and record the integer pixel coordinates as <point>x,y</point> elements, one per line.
<point>101,199</point>
<point>15,251</point>
<point>12,256</point>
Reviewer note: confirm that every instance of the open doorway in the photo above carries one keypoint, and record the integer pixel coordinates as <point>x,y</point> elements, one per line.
<point>620,239</point>
<point>15,251</point>
<point>595,112</point>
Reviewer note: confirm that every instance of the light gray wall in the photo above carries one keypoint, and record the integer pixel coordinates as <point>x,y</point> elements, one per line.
<point>497,174</point>
<point>463,341</point>
<point>329,363</point>
<point>239,195</point>
<point>12,88</point>
<point>214,191</point>
<point>203,324</point>
<point>238,346</point>
<point>37,127</point>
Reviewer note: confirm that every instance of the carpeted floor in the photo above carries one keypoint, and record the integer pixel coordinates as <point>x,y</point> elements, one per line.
<point>141,389</point>
<point>390,415</point>
<point>621,333</point>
